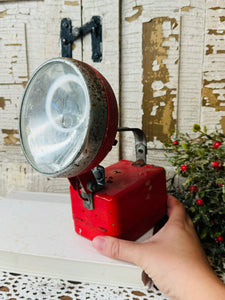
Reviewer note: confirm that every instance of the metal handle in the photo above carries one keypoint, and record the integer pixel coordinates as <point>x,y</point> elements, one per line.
<point>140,142</point>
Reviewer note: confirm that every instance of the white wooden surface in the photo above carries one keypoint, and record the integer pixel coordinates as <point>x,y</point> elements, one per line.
<point>164,60</point>
<point>39,239</point>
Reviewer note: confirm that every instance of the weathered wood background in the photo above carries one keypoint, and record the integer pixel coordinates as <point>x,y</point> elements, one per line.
<point>164,59</point>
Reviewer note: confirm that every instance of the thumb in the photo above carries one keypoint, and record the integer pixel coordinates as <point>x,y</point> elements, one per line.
<point>119,249</point>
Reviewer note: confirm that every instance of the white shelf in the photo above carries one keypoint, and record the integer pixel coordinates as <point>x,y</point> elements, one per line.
<point>37,237</point>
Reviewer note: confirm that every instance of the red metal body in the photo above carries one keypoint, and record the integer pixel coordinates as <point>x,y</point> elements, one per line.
<point>132,201</point>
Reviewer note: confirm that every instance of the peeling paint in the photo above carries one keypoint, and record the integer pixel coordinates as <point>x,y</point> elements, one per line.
<point>3,102</point>
<point>13,83</point>
<point>217,7</point>
<point>157,120</point>
<point>209,49</point>
<point>10,138</point>
<point>72,3</point>
<point>222,18</point>
<point>24,83</point>
<point>222,123</point>
<point>187,8</point>
<point>207,82</point>
<point>220,51</point>
<point>210,99</point>
<point>216,31</point>
<point>139,9</point>
<point>213,87</point>
<point>16,44</point>
<point>3,13</point>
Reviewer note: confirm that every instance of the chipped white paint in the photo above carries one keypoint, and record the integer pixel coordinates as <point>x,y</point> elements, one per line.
<point>132,88</point>
<point>13,52</point>
<point>154,110</point>
<point>157,85</point>
<point>213,112</point>
<point>166,26</point>
<point>109,12</point>
<point>29,35</point>
<point>155,65</point>
<point>195,58</point>
<point>191,61</point>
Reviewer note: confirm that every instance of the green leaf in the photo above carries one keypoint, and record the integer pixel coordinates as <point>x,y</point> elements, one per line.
<point>204,233</point>
<point>196,128</point>
<point>192,209</point>
<point>184,146</point>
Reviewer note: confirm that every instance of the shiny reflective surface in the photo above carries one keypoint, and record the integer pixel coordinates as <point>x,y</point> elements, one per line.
<point>54,117</point>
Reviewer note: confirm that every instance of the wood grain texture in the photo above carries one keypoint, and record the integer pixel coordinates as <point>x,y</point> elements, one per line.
<point>29,35</point>
<point>144,83</point>
<point>109,66</point>
<point>164,59</point>
<point>160,48</point>
<point>191,62</point>
<point>213,86</point>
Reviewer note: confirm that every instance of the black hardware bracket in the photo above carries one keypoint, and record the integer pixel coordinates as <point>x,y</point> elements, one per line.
<point>68,35</point>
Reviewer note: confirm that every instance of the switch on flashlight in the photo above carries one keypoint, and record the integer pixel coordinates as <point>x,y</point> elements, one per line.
<point>67,125</point>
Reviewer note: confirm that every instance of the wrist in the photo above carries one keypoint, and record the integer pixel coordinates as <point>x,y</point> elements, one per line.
<point>202,285</point>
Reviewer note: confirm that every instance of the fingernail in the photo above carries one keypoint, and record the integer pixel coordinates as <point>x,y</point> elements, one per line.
<point>99,243</point>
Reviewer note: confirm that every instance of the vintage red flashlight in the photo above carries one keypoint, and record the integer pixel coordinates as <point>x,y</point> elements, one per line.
<point>68,123</point>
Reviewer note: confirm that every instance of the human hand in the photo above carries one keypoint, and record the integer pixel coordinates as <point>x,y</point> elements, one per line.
<point>173,258</point>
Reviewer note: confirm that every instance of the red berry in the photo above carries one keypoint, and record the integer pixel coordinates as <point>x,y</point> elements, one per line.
<point>184,168</point>
<point>220,184</point>
<point>215,164</point>
<point>216,145</point>
<point>199,202</point>
<point>219,238</point>
<point>175,143</point>
<point>193,188</point>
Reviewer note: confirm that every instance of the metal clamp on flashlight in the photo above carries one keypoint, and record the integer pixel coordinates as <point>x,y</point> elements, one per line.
<point>67,125</point>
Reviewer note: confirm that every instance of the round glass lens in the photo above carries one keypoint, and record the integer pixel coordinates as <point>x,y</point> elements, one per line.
<point>54,116</point>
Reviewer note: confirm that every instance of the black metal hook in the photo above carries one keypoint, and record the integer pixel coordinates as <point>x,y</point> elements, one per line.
<point>69,35</point>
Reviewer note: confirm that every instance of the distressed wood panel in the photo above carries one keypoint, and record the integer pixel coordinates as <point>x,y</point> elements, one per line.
<point>29,35</point>
<point>191,61</point>
<point>150,66</point>
<point>160,77</point>
<point>20,176</point>
<point>213,90</point>
<point>9,106</point>
<point>167,71</point>
<point>17,174</point>
<point>109,66</point>
<point>161,96</point>
<point>13,53</point>
<point>31,31</point>
<point>13,78</point>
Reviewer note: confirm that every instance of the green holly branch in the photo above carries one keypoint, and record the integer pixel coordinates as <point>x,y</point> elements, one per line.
<point>199,159</point>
